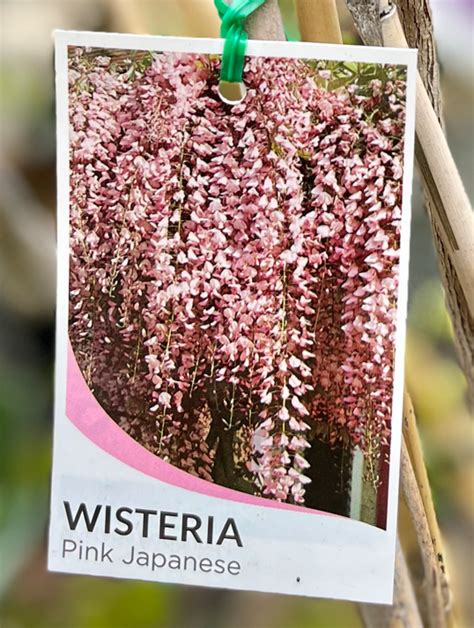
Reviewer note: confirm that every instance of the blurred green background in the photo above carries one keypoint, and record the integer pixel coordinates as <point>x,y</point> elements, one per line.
<point>31,597</point>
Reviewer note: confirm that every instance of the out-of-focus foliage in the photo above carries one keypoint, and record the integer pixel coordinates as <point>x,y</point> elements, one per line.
<point>32,598</point>
<point>25,446</point>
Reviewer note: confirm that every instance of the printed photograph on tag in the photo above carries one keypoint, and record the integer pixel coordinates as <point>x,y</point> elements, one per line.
<point>232,293</point>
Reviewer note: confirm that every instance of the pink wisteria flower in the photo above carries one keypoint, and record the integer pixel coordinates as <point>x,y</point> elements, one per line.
<point>234,270</point>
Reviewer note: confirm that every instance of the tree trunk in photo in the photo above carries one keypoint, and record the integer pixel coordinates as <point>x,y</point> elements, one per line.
<point>330,472</point>
<point>382,493</point>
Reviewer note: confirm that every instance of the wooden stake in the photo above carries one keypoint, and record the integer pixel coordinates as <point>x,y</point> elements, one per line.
<point>433,586</point>
<point>415,452</point>
<point>413,443</point>
<point>404,611</point>
<point>318,21</point>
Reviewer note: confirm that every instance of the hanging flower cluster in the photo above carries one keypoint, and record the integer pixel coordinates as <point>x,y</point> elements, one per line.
<point>233,273</point>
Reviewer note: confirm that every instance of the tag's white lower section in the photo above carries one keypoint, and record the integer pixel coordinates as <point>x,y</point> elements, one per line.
<point>282,551</point>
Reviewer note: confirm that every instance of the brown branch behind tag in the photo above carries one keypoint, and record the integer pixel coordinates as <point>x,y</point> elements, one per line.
<point>448,206</point>
<point>450,213</point>
<point>418,29</point>
<point>366,16</point>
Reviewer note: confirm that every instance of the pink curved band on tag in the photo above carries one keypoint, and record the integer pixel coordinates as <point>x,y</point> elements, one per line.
<point>88,416</point>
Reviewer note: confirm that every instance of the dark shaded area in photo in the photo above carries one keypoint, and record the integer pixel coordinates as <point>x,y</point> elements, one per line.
<point>330,473</point>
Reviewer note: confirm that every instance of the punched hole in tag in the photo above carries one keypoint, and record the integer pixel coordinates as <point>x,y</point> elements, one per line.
<point>232,93</point>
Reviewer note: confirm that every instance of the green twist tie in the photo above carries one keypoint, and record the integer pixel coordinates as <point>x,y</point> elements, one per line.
<point>232,29</point>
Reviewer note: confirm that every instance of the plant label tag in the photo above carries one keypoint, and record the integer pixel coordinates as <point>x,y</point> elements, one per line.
<point>232,292</point>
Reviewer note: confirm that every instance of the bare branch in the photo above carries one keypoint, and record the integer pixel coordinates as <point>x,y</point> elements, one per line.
<point>366,15</point>
<point>417,25</point>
